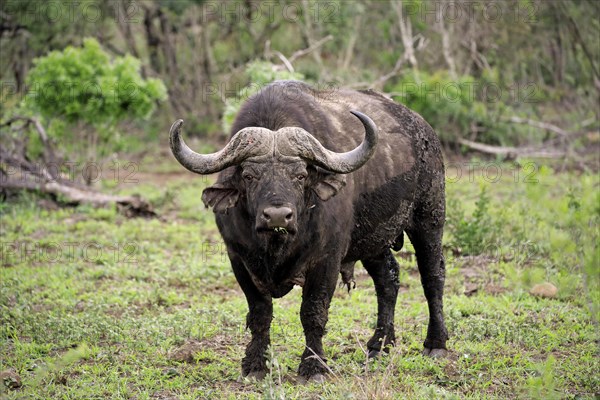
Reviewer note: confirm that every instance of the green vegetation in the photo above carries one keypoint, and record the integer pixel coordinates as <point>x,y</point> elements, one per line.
<point>83,84</point>
<point>464,104</point>
<point>94,305</point>
<point>82,94</point>
<point>473,65</point>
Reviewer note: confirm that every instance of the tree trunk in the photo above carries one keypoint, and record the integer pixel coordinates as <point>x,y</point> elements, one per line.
<point>406,33</point>
<point>446,37</point>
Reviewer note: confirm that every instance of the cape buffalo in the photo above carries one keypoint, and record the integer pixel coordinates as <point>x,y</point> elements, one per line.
<point>302,196</point>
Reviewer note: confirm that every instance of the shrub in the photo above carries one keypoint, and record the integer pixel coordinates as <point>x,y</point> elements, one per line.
<point>460,107</point>
<point>83,84</point>
<point>477,233</point>
<point>81,93</point>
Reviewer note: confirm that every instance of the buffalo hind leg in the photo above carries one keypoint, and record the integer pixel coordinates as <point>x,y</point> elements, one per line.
<point>384,271</point>
<point>430,260</point>
<point>258,320</point>
<point>316,296</point>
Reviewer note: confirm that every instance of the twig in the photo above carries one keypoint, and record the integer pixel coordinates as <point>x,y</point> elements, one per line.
<point>321,361</point>
<point>285,61</point>
<point>288,61</point>
<point>382,79</point>
<point>309,49</point>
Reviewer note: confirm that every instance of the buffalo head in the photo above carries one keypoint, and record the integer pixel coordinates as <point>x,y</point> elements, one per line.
<point>275,172</point>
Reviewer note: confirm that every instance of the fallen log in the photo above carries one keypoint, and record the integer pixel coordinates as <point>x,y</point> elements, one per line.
<point>18,172</point>
<point>513,152</point>
<point>130,206</point>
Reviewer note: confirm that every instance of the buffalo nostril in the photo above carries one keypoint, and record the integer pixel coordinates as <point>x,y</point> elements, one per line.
<point>266,215</point>
<point>289,216</point>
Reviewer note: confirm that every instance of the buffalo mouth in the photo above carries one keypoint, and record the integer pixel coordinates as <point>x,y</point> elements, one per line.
<point>276,231</point>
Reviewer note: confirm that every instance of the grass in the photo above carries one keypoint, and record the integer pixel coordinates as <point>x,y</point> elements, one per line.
<point>95,305</point>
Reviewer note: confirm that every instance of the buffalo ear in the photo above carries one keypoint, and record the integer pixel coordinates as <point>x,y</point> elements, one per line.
<point>329,185</point>
<point>220,197</point>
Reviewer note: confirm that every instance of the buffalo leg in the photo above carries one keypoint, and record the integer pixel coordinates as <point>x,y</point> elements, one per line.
<point>258,320</point>
<point>430,260</point>
<point>316,296</point>
<point>384,271</point>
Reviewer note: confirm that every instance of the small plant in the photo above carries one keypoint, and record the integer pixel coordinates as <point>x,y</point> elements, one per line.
<point>280,229</point>
<point>273,380</point>
<point>543,385</point>
<point>474,234</point>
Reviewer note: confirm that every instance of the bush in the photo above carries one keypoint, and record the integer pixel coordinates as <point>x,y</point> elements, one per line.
<point>461,107</point>
<point>83,84</point>
<point>82,93</point>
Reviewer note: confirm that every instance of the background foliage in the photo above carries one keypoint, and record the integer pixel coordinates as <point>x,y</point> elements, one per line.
<point>474,64</point>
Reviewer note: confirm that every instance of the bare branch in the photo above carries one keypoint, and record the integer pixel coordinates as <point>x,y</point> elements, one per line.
<point>405,33</point>
<point>538,124</point>
<point>49,155</point>
<point>512,152</point>
<point>422,43</point>
<point>45,176</point>
<point>311,48</point>
<point>287,62</point>
<point>446,37</point>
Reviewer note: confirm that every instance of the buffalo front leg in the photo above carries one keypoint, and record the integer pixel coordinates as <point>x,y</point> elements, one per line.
<point>428,249</point>
<point>258,320</point>
<point>316,296</point>
<point>384,271</point>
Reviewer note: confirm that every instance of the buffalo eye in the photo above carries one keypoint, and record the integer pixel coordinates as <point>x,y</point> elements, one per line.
<point>301,177</point>
<point>248,177</point>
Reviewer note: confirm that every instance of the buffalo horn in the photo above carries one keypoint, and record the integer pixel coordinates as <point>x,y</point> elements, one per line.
<point>246,143</point>
<point>310,149</point>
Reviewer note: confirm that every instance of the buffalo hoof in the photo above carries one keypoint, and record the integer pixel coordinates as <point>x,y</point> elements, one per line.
<point>318,379</point>
<point>435,353</point>
<point>255,376</point>
<point>373,354</point>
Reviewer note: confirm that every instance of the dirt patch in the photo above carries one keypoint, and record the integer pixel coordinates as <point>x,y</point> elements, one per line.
<point>477,275</point>
<point>189,352</point>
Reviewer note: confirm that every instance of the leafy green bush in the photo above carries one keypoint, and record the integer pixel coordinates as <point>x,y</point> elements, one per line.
<point>83,84</point>
<point>82,93</point>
